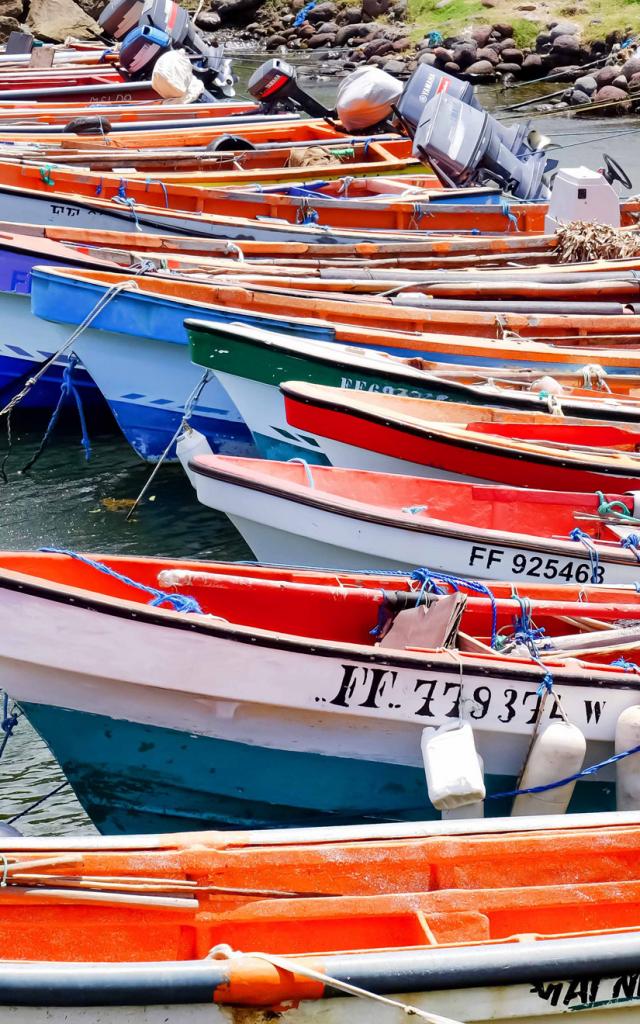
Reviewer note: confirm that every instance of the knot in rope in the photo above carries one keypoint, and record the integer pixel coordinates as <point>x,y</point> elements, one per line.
<point>581,537</point>
<point>626,666</point>
<point>606,507</point>
<point>632,543</point>
<point>430,580</point>
<point>45,175</point>
<point>594,372</point>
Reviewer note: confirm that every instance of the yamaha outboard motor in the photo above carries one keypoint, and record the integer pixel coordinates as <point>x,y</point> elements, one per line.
<point>466,146</point>
<point>120,17</point>
<point>427,82</point>
<point>275,84</point>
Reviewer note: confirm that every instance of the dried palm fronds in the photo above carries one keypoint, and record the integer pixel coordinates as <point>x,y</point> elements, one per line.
<point>580,241</point>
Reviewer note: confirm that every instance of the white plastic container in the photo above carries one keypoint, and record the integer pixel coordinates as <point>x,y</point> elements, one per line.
<point>558,752</point>
<point>189,444</point>
<point>452,766</point>
<point>628,770</point>
<point>579,193</point>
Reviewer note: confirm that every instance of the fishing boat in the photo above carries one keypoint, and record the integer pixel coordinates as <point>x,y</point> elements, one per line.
<point>136,345</point>
<point>392,433</point>
<point>25,352</point>
<point>323,515</point>
<point>156,925</point>
<point>265,700</point>
<point>251,363</point>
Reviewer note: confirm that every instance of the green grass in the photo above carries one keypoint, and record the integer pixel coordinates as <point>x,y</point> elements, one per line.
<point>463,14</point>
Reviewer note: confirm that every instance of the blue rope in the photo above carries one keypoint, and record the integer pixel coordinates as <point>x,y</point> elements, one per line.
<point>430,579</point>
<point>8,724</point>
<point>526,634</point>
<point>180,602</point>
<point>632,543</point>
<point>591,770</point>
<point>627,666</point>
<point>511,217</point>
<point>594,558</point>
<point>301,16</point>
<point>99,187</point>
<point>67,389</point>
<point>156,181</point>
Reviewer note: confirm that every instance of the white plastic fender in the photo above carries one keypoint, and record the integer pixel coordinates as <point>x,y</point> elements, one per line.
<point>628,770</point>
<point>365,97</point>
<point>557,752</point>
<point>189,444</point>
<point>550,384</point>
<point>452,766</point>
<point>173,78</point>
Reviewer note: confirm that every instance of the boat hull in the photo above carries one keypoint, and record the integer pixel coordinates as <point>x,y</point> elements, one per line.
<point>282,530</point>
<point>166,720</point>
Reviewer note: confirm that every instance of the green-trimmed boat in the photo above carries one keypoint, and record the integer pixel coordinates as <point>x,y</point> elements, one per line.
<point>251,363</point>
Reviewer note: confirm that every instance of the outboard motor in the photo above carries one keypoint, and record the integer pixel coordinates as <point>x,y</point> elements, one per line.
<point>425,83</point>
<point>466,146</point>
<point>275,84</point>
<point>120,17</point>
<point>159,26</point>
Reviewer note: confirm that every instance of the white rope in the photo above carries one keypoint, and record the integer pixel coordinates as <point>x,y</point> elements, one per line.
<point>102,302</point>
<point>291,966</point>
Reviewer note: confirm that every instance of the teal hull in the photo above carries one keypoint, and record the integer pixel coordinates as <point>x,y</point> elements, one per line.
<point>133,778</point>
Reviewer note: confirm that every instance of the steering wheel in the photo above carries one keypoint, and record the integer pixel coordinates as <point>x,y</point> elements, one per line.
<point>614,172</point>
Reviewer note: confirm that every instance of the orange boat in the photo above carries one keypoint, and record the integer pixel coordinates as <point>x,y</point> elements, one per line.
<point>346,924</point>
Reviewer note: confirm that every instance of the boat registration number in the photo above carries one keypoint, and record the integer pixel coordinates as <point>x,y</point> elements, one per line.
<point>518,563</point>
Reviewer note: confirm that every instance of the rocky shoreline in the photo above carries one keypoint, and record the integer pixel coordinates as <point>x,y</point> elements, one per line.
<point>603,72</point>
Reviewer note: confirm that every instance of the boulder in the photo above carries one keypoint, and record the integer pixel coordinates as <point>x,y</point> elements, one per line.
<point>401,44</point>
<point>605,76</point>
<point>489,3</point>
<point>452,68</point>
<point>480,34</point>
<point>394,67</point>
<point>578,98</point>
<point>629,69</point>
<point>503,30</point>
<point>427,58</point>
<point>464,56</point>
<point>619,100</point>
<point>443,56</point>
<point>565,44</point>
<point>488,53</point>
<point>504,44</point>
<point>586,83</point>
<point>399,10</point>
<point>374,8</point>
<point>563,28</point>
<point>11,9</point>
<point>273,42</point>
<point>532,63</point>
<point>350,15</point>
<point>621,83</point>
<point>209,21</point>
<point>54,20</point>
<point>348,32</point>
<point>508,69</point>
<point>512,56</point>
<point>323,12</point>
<point>319,39</point>
<point>481,67</point>
<point>7,26</point>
